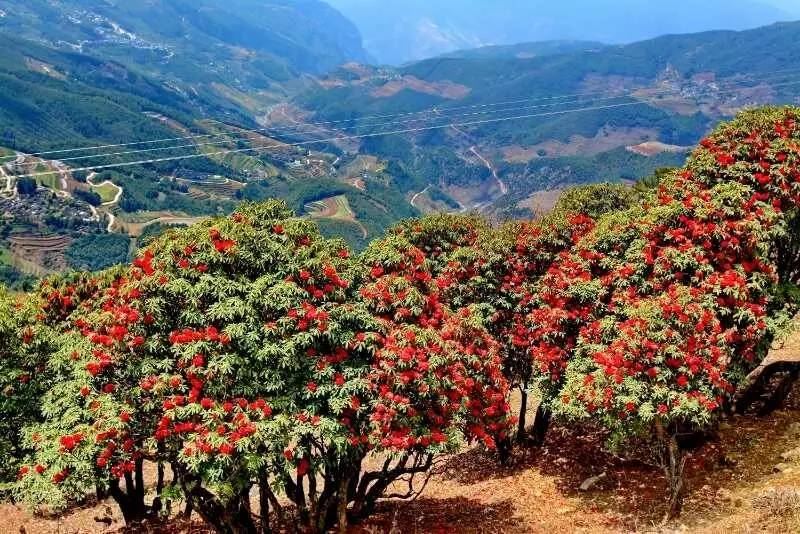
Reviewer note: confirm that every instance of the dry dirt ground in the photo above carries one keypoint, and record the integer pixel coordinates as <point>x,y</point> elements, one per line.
<point>746,481</point>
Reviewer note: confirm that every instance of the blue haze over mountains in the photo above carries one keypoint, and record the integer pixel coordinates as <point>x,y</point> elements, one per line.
<point>397,31</point>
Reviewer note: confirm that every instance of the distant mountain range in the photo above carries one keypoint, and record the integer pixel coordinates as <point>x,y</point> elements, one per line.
<point>256,46</point>
<point>397,31</point>
<point>64,62</point>
<point>637,104</point>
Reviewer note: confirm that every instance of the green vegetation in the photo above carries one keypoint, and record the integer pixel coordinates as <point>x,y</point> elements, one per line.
<point>106,191</point>
<point>153,231</point>
<point>547,173</point>
<point>26,186</point>
<point>98,251</point>
<point>90,197</point>
<point>248,351</point>
<point>376,208</point>
<point>10,276</point>
<point>349,231</point>
<point>147,190</point>
<point>101,93</point>
<point>498,75</point>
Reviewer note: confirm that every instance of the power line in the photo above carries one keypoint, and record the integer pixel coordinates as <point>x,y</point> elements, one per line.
<point>341,138</point>
<point>267,129</point>
<point>405,114</point>
<point>216,143</point>
<point>227,139</point>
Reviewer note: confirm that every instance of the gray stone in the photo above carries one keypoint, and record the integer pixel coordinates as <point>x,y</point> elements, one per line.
<point>591,482</point>
<point>792,455</point>
<point>782,468</point>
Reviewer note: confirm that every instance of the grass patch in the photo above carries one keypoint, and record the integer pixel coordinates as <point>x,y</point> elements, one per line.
<point>107,191</point>
<point>50,181</point>
<point>5,256</point>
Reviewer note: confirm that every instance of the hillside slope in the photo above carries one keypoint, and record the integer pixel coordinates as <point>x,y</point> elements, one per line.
<point>665,93</point>
<point>197,46</point>
<point>51,99</point>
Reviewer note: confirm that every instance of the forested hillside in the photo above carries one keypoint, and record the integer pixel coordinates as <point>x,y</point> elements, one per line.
<point>574,112</point>
<point>179,111</point>
<point>198,41</point>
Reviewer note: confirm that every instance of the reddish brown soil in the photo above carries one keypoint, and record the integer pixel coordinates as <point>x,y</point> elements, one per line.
<point>539,492</point>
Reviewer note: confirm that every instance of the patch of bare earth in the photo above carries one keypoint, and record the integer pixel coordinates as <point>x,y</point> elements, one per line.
<point>541,202</point>
<point>607,138</point>
<point>734,486</point>
<point>745,481</point>
<point>651,148</point>
<point>444,89</point>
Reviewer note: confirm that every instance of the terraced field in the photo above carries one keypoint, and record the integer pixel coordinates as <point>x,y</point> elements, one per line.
<point>39,255</point>
<point>215,186</point>
<point>238,161</point>
<point>337,208</point>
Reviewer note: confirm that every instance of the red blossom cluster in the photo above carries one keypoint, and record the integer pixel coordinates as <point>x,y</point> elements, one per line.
<point>660,309</point>
<point>433,365</point>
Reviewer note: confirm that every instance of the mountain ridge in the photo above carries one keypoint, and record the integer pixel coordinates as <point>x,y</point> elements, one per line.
<point>428,29</point>
<point>667,90</point>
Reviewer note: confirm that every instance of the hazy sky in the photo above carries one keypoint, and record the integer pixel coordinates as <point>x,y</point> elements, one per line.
<point>400,30</point>
<point>790,6</point>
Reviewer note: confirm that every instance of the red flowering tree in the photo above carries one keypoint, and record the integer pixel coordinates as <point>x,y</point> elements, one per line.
<point>433,356</point>
<point>664,308</point>
<point>24,346</point>
<point>239,353</point>
<point>472,265</point>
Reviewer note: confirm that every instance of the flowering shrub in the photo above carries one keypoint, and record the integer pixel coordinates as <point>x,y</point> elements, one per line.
<point>663,309</point>
<point>440,353</point>
<point>240,352</point>
<point>24,346</point>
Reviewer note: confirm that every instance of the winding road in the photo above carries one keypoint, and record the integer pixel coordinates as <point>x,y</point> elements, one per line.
<point>474,149</point>
<point>500,183</point>
<point>416,196</point>
<point>112,219</point>
<point>117,197</point>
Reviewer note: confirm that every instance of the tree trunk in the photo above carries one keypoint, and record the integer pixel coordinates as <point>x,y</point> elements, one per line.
<point>540,426</point>
<point>780,392</point>
<point>673,460</point>
<point>263,503</point>
<point>131,501</point>
<point>504,449</point>
<point>342,504</point>
<point>131,505</point>
<point>523,410</point>
<point>372,485</point>
<point>232,517</point>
